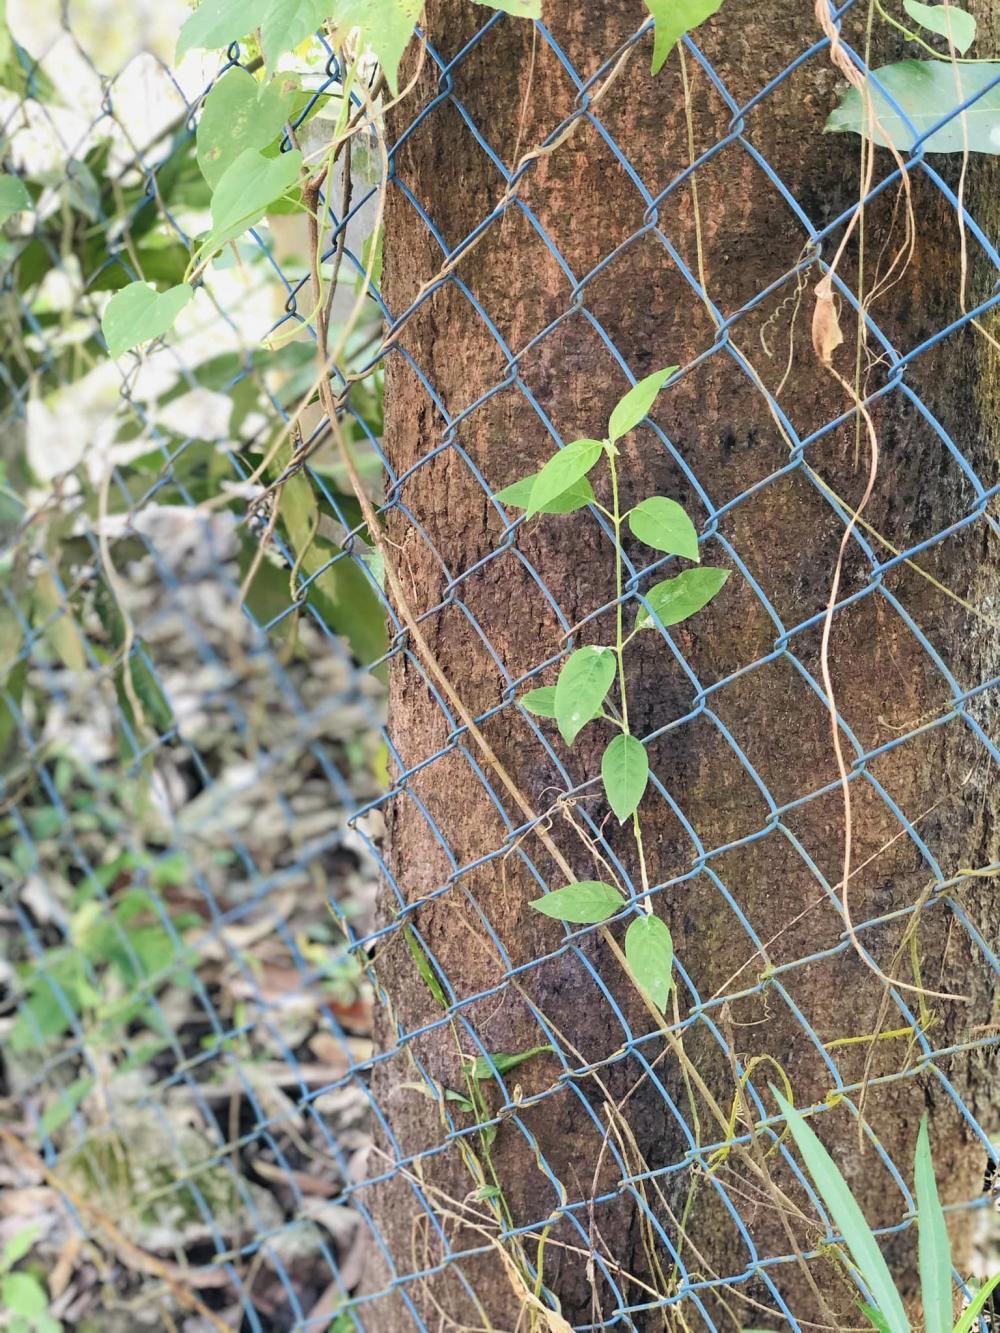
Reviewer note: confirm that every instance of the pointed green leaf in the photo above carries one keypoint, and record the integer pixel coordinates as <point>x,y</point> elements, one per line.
<point>625,773</point>
<point>874,1318</point>
<point>649,952</point>
<point>521,9</point>
<point>386,26</point>
<point>289,22</point>
<point>927,91</point>
<point>139,312</point>
<point>847,1216</point>
<point>946,20</point>
<point>14,197</point>
<point>663,525</point>
<point>636,403</point>
<point>238,115</point>
<point>247,187</point>
<point>933,1245</point>
<point>216,23</point>
<point>975,1307</point>
<point>673,18</point>
<point>541,702</point>
<point>518,496</point>
<point>562,471</point>
<point>583,904</point>
<point>484,1066</point>
<point>583,682</point>
<point>676,599</point>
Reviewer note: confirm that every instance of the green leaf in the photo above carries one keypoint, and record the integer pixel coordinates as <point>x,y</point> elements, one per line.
<point>584,904</point>
<point>541,702</point>
<point>521,9</point>
<point>487,1192</point>
<point>625,773</point>
<point>216,23</point>
<point>518,496</point>
<point>676,599</point>
<point>847,1216</point>
<point>946,21</point>
<point>65,1104</point>
<point>583,682</point>
<point>926,90</point>
<point>138,312</point>
<point>972,1312</point>
<point>14,197</point>
<point>636,403</point>
<point>874,1318</point>
<point>649,952</point>
<point>23,1294</point>
<point>562,471</point>
<point>246,188</point>
<point>423,965</point>
<point>239,115</point>
<point>673,18</point>
<point>663,525</point>
<point>933,1244</point>
<point>385,25</point>
<point>484,1066</point>
<point>289,22</point>
<point>18,1246</point>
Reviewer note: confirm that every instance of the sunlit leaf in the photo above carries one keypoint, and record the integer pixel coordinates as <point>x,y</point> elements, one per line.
<point>562,471</point>
<point>239,115</point>
<point>385,25</point>
<point>636,403</point>
<point>289,22</point>
<point>14,197</point>
<point>673,18</point>
<point>138,313</point>
<point>521,9</point>
<point>583,904</point>
<point>246,188</point>
<point>216,23</point>
<point>518,496</point>
<point>847,1216</point>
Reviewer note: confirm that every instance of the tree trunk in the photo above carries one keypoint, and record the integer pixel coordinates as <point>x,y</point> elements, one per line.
<point>648,1229</point>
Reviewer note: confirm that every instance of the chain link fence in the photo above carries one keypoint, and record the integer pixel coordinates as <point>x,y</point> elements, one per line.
<point>195,766</point>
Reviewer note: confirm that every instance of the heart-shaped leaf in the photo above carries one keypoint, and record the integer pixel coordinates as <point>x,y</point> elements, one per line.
<point>583,904</point>
<point>946,20</point>
<point>625,773</point>
<point>289,22</point>
<point>583,682</point>
<point>927,91</point>
<point>562,471</point>
<point>673,18</point>
<point>518,496</point>
<point>676,599</point>
<point>216,23</point>
<point>247,187</point>
<point>663,525</point>
<point>139,312</point>
<point>385,25</point>
<point>238,115</point>
<point>649,952</point>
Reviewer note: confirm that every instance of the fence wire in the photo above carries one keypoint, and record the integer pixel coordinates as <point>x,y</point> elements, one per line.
<point>194,780</point>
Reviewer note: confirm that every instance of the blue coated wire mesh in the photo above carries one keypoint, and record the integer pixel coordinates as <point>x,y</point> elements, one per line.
<point>191,847</point>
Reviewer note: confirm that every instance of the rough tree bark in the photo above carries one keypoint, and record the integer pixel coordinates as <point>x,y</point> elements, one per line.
<point>480,928</point>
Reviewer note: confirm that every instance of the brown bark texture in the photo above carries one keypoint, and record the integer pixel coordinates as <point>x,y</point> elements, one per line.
<point>604,1145</point>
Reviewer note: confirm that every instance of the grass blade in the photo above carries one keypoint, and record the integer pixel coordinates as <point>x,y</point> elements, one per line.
<point>836,1194</point>
<point>933,1244</point>
<point>970,1315</point>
